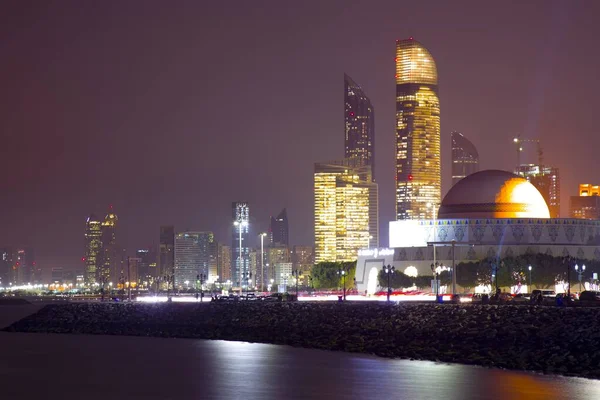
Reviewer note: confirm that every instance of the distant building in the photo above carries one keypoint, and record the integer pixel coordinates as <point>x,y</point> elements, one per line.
<point>112,259</point>
<point>192,257</point>
<point>254,265</point>
<point>166,262</point>
<point>303,258</point>
<point>346,210</point>
<point>240,263</point>
<point>587,204</point>
<point>224,262</point>
<point>465,158</point>
<point>275,255</point>
<point>6,265</point>
<point>418,167</point>
<point>279,230</point>
<point>93,248</point>
<point>132,271</point>
<point>24,266</point>
<point>213,260</point>
<point>57,275</point>
<point>359,124</point>
<point>547,181</point>
<point>283,274</point>
<point>148,266</point>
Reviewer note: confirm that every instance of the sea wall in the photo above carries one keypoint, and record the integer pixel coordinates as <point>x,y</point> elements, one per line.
<point>546,339</point>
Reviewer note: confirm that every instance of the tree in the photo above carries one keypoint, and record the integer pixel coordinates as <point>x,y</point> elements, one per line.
<point>466,274</point>
<point>445,278</point>
<point>423,281</point>
<point>398,280</point>
<point>325,274</point>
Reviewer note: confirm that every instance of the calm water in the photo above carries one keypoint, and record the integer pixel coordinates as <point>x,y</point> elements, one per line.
<point>118,367</point>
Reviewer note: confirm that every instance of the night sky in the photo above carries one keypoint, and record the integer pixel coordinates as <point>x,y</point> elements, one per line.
<point>172,110</point>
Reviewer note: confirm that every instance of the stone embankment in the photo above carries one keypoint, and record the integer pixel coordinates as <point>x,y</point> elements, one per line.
<point>546,339</point>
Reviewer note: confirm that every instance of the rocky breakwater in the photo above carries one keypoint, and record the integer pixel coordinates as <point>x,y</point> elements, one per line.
<point>547,339</point>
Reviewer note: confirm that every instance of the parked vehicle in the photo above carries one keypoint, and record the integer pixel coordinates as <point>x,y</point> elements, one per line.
<point>589,296</point>
<point>546,293</point>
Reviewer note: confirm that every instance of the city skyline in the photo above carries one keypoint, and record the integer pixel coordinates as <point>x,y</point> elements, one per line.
<point>85,134</point>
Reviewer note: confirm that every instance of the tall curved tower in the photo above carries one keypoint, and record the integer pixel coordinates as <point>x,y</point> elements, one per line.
<point>359,124</point>
<point>418,170</point>
<point>465,158</point>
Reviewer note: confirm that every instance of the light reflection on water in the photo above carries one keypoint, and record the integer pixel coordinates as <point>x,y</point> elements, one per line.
<point>98,367</point>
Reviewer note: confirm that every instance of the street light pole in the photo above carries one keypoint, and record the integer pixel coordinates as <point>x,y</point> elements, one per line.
<point>240,225</point>
<point>530,287</point>
<point>453,268</point>
<point>295,273</point>
<point>389,270</point>
<point>262,260</point>
<point>342,273</point>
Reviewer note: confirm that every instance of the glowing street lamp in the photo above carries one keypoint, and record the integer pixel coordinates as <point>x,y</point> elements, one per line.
<point>579,273</point>
<point>530,287</point>
<point>342,273</point>
<point>389,270</point>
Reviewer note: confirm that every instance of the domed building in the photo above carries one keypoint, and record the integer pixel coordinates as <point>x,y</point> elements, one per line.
<point>488,214</point>
<point>493,194</point>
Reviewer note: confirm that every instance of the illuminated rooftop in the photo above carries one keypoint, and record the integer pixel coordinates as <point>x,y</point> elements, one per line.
<point>414,63</point>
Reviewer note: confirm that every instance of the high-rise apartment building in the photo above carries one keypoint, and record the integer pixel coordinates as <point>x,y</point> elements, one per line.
<point>224,262</point>
<point>418,169</point>
<point>346,210</point>
<point>240,261</point>
<point>93,248</point>
<point>279,230</point>
<point>131,272</point>
<point>148,265</point>
<point>112,261</point>
<point>587,204</point>
<point>547,181</point>
<point>359,124</point>
<point>303,258</point>
<point>6,267</point>
<point>192,256</point>
<point>275,255</point>
<point>24,264</point>
<point>465,159</point>
<point>166,261</point>
<point>254,266</point>
<point>283,275</point>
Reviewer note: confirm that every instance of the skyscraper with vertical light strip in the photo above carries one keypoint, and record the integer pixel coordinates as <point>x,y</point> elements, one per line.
<point>418,170</point>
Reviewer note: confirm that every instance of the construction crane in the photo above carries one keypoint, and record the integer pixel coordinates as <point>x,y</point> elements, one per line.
<point>518,141</point>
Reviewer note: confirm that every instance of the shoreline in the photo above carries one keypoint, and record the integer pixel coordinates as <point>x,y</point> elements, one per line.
<point>563,341</point>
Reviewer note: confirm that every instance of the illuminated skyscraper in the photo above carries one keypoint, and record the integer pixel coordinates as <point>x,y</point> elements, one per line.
<point>224,262</point>
<point>418,173</point>
<point>93,248</point>
<point>547,181</point>
<point>359,117</point>
<point>240,263</point>
<point>346,209</point>
<point>279,230</point>
<point>465,159</point>
<point>112,258</point>
<point>192,257</point>
<point>166,259</point>
<point>587,204</point>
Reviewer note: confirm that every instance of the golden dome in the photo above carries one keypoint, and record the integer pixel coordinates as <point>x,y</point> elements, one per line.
<point>493,194</point>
